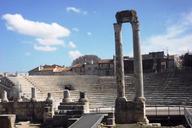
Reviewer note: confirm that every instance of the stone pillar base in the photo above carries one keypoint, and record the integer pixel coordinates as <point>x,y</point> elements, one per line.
<point>127,112</point>
<point>67,100</point>
<point>7,121</point>
<point>140,114</point>
<point>33,100</point>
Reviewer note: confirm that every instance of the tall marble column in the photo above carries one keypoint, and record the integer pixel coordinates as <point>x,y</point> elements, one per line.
<point>119,62</point>
<point>138,69</point>
<point>140,113</point>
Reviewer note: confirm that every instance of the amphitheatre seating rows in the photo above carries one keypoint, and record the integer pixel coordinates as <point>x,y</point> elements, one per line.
<point>24,85</point>
<point>160,89</point>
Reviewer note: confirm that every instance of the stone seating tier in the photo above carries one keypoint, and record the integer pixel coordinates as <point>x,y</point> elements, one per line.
<point>161,88</point>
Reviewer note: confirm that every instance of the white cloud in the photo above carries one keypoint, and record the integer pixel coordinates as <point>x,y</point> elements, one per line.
<point>89,33</point>
<point>75,29</point>
<point>73,9</point>
<point>45,34</point>
<point>177,38</point>
<point>50,41</point>
<point>74,54</point>
<point>71,44</point>
<point>76,10</point>
<point>44,48</point>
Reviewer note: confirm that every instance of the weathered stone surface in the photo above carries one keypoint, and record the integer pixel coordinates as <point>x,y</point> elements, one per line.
<point>32,111</point>
<point>139,125</point>
<point>49,98</point>
<point>7,121</point>
<point>4,97</point>
<point>129,111</point>
<point>126,16</point>
<point>66,96</point>
<point>33,94</point>
<point>48,113</point>
<point>19,98</point>
<point>119,62</point>
<point>83,97</point>
<point>110,122</point>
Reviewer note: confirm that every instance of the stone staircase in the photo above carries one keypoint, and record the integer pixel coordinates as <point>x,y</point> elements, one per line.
<point>171,88</point>
<point>24,84</point>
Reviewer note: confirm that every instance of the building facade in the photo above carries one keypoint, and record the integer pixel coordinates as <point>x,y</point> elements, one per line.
<point>50,70</point>
<point>153,62</point>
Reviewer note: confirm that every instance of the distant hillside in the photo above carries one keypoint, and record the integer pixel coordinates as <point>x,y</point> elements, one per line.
<point>88,59</point>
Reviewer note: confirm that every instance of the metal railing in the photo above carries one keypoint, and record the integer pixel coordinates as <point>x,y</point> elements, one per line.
<point>152,110</point>
<point>102,110</point>
<point>165,110</point>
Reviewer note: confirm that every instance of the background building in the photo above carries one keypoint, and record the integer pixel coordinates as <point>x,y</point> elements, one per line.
<point>152,62</point>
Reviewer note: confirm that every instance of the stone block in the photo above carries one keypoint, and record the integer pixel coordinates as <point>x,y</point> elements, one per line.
<point>129,112</point>
<point>7,121</point>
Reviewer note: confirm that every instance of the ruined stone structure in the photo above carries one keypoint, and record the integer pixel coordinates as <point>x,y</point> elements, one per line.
<point>7,121</point>
<point>43,111</point>
<point>31,110</point>
<point>69,111</point>
<point>129,111</point>
<point>4,97</point>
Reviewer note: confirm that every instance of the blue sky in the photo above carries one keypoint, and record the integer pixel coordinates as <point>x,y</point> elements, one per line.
<point>42,32</point>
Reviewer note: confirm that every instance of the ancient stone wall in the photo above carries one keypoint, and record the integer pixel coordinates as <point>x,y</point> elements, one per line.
<point>32,111</point>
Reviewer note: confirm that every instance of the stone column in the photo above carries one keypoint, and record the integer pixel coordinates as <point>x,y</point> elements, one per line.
<point>114,65</point>
<point>19,99</point>
<point>83,97</point>
<point>110,120</point>
<point>138,69</point>
<point>119,62</point>
<point>83,100</point>
<point>66,96</point>
<point>140,114</point>
<point>33,94</point>
<point>49,98</point>
<point>4,96</point>
<point>48,108</point>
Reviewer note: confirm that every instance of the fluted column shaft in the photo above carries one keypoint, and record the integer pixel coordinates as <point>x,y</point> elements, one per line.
<point>138,69</point>
<point>119,62</point>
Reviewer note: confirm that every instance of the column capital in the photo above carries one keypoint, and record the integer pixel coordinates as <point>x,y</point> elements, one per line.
<point>135,25</point>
